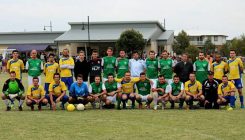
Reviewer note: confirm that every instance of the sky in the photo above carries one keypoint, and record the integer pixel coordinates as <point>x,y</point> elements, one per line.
<point>216,16</point>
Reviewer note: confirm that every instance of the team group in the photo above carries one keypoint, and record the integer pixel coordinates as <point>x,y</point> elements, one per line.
<point>110,81</point>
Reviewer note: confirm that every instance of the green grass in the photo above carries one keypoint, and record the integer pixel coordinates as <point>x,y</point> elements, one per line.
<point>124,124</point>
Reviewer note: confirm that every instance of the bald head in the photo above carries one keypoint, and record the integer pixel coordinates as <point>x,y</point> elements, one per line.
<point>34,54</point>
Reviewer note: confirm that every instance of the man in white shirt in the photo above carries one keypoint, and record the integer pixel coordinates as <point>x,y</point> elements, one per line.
<point>136,65</point>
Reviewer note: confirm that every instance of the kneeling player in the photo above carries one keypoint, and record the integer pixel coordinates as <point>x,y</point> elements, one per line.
<point>57,92</point>
<point>79,92</point>
<point>36,95</point>
<point>226,93</point>
<point>111,89</point>
<point>144,90</point>
<point>128,91</point>
<point>176,93</point>
<point>160,92</point>
<point>13,89</point>
<point>96,92</point>
<point>210,88</point>
<point>193,90</point>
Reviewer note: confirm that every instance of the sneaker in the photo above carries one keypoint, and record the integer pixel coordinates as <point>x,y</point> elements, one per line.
<point>229,109</point>
<point>20,108</point>
<point>148,106</point>
<point>242,106</point>
<point>39,108</point>
<point>132,106</point>
<point>62,106</point>
<point>32,108</point>
<point>140,106</point>
<point>93,105</point>
<point>155,107</point>
<point>8,108</point>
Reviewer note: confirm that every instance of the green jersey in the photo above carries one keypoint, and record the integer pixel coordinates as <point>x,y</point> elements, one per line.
<point>96,89</point>
<point>13,87</point>
<point>122,66</point>
<point>34,67</point>
<point>201,67</point>
<point>163,86</point>
<point>166,69</point>
<point>144,87</point>
<point>110,87</point>
<point>109,64</point>
<point>176,88</point>
<point>151,68</point>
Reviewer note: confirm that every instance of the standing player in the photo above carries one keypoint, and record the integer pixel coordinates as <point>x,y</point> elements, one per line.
<point>15,64</point>
<point>96,92</point>
<point>226,92</point>
<point>193,90</point>
<point>50,68</point>
<point>183,68</point>
<point>66,66</point>
<point>108,64</point>
<point>219,68</point>
<point>176,93</point>
<point>36,95</point>
<point>95,66</point>
<point>122,64</point>
<point>34,67</point>
<point>144,91</point>
<point>13,89</point>
<point>235,73</point>
<point>82,67</point>
<point>201,68</point>
<point>136,65</point>
<point>210,88</point>
<point>152,67</point>
<point>112,89</point>
<point>57,92</point>
<point>79,92</point>
<point>160,92</point>
<point>166,66</point>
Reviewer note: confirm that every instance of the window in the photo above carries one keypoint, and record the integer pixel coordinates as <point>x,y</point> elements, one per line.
<point>215,38</point>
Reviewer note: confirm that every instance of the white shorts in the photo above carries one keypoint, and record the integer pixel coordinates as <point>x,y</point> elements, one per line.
<point>169,81</point>
<point>30,78</point>
<point>144,98</point>
<point>112,99</point>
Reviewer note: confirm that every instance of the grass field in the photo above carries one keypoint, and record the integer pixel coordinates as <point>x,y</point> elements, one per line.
<point>123,124</point>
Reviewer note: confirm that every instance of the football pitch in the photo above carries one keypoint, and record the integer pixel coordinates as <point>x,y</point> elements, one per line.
<point>121,124</point>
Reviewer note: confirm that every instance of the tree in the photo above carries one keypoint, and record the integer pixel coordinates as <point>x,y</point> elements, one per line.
<point>238,44</point>
<point>192,51</point>
<point>130,40</point>
<point>224,50</point>
<point>181,43</point>
<point>209,47</point>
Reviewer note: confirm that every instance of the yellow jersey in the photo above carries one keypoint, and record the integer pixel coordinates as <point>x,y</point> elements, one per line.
<point>36,92</point>
<point>235,67</point>
<point>193,88</point>
<point>225,87</point>
<point>128,87</point>
<point>49,70</point>
<point>219,69</point>
<point>57,89</point>
<point>16,66</point>
<point>66,72</point>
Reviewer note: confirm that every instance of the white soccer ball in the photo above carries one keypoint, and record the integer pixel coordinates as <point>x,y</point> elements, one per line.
<point>80,107</point>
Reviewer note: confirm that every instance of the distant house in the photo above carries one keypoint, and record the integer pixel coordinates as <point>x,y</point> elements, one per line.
<point>198,39</point>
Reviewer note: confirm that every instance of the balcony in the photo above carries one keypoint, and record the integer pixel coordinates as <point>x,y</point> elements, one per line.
<point>197,43</point>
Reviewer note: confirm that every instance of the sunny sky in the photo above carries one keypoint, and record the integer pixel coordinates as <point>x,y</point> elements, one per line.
<point>217,16</point>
